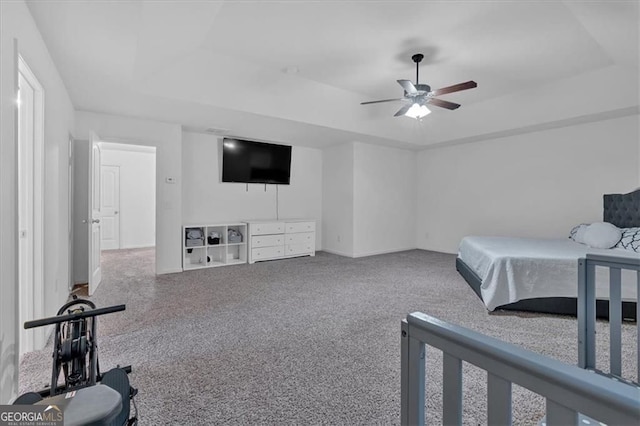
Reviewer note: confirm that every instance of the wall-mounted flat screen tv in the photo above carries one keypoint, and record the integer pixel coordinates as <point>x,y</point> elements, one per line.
<point>255,162</point>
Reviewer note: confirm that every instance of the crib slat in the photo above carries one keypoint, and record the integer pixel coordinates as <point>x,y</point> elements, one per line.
<point>499,400</point>
<point>615,321</point>
<point>451,390</point>
<point>582,313</point>
<point>404,373</point>
<point>559,414</point>
<point>412,378</point>
<point>590,318</point>
<point>638,324</point>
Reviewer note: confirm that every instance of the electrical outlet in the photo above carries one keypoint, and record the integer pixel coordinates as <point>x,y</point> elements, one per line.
<point>339,239</point>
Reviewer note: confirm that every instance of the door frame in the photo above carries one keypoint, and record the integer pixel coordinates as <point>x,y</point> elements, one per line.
<point>35,338</point>
<point>95,271</point>
<point>71,200</point>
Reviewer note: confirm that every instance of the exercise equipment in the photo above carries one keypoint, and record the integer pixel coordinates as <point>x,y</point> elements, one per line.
<point>88,397</point>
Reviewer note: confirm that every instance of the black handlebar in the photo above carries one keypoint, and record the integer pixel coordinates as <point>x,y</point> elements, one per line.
<point>75,316</point>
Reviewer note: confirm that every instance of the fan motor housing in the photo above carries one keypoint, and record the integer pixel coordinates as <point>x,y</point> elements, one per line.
<point>422,89</point>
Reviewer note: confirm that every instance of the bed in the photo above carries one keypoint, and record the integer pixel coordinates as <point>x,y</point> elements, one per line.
<point>540,275</point>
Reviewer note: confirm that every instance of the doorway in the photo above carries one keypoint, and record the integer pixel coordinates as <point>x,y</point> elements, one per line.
<point>127,196</point>
<point>136,200</point>
<point>30,206</point>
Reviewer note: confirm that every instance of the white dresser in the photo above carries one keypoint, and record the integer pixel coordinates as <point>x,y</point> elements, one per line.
<point>271,239</point>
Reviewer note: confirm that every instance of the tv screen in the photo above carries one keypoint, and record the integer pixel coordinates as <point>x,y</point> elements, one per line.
<point>255,162</point>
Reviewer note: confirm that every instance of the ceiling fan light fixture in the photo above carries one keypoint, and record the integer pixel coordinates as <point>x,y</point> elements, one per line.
<point>417,95</point>
<point>418,111</point>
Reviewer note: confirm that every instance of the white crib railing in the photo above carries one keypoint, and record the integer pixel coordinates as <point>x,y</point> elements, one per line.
<point>587,310</point>
<point>568,389</point>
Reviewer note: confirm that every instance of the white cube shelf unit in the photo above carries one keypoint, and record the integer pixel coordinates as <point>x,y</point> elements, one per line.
<point>208,246</point>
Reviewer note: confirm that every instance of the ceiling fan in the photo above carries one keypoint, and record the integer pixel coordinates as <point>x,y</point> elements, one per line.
<point>419,95</point>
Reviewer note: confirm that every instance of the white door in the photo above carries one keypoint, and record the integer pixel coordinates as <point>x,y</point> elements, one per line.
<point>25,216</point>
<point>95,272</point>
<point>30,207</point>
<point>110,207</point>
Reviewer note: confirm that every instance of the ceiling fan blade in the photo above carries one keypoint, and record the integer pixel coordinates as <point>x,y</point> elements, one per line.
<point>403,110</point>
<point>384,100</point>
<point>455,88</point>
<point>408,86</point>
<point>443,104</point>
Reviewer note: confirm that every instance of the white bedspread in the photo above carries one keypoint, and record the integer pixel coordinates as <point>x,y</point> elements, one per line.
<point>513,269</point>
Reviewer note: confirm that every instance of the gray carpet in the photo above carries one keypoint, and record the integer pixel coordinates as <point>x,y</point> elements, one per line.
<point>312,340</point>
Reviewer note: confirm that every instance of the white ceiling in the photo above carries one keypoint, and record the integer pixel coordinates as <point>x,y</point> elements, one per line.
<point>223,64</point>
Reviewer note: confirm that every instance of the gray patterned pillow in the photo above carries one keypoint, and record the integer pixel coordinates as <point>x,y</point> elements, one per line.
<point>630,239</point>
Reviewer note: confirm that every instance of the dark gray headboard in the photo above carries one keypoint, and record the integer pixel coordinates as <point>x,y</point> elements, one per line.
<point>623,210</point>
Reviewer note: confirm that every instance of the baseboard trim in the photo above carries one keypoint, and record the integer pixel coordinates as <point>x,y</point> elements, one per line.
<point>168,271</point>
<point>373,253</point>
<point>438,250</point>
<point>336,252</point>
<point>135,247</point>
<point>376,253</point>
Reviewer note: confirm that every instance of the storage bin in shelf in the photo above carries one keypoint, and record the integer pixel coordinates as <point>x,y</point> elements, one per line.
<point>216,235</point>
<point>194,236</point>
<point>206,246</point>
<point>236,234</point>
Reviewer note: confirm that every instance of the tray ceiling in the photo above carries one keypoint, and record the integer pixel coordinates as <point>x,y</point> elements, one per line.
<point>229,64</point>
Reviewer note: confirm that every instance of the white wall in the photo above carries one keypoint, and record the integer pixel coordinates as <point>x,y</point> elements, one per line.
<point>17,24</point>
<point>137,210</point>
<point>384,199</point>
<point>368,199</point>
<point>337,199</point>
<point>531,185</point>
<point>207,200</point>
<point>167,138</point>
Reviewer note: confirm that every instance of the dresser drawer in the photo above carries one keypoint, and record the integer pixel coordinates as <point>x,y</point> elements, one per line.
<point>267,240</point>
<point>301,238</point>
<point>300,227</point>
<point>262,253</point>
<point>293,249</point>
<point>267,228</point>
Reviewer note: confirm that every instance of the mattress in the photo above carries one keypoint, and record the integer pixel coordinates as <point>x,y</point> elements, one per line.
<point>513,269</point>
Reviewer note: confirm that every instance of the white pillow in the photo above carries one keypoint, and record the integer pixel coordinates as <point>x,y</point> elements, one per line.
<point>602,235</point>
<point>577,233</point>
